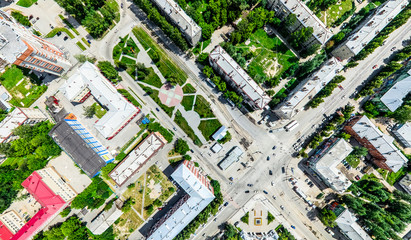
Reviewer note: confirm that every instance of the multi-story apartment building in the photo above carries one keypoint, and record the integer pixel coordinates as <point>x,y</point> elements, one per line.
<point>253,94</point>
<point>303,93</point>
<point>19,46</point>
<point>305,18</point>
<point>198,194</point>
<point>17,117</point>
<point>191,31</point>
<point>380,147</point>
<point>49,189</point>
<point>367,31</point>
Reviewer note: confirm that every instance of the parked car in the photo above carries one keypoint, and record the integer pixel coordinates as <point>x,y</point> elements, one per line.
<point>268,158</point>
<point>158,110</point>
<point>274,147</point>
<point>247,191</point>
<point>282,207</point>
<point>225,204</point>
<point>375,66</point>
<point>270,172</point>
<point>249,185</point>
<point>264,191</point>
<point>357,177</point>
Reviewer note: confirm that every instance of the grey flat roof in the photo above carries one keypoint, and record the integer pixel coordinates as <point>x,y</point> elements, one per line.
<point>81,153</point>
<point>232,157</point>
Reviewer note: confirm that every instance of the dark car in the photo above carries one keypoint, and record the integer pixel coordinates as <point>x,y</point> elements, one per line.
<point>191,150</point>
<point>268,158</point>
<point>283,169</point>
<point>225,204</point>
<point>264,191</point>
<point>274,147</point>
<point>158,110</point>
<point>249,185</point>
<point>247,191</point>
<point>270,172</point>
<point>65,38</point>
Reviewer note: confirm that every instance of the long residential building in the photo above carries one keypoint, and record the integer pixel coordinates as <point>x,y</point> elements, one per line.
<point>393,98</point>
<point>327,164</point>
<point>189,28</point>
<point>17,117</point>
<point>232,72</point>
<point>305,18</point>
<point>199,193</point>
<point>371,28</point>
<point>380,146</point>
<point>89,81</point>
<point>303,93</point>
<point>82,147</point>
<point>19,46</point>
<point>348,225</point>
<point>51,192</point>
<point>137,158</point>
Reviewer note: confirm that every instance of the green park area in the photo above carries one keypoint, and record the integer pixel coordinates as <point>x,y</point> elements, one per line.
<point>269,56</point>
<point>125,53</point>
<point>166,66</point>
<point>150,191</point>
<point>334,12</point>
<point>24,88</point>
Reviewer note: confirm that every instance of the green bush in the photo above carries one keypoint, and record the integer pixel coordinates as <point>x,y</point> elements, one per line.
<point>270,218</point>
<point>23,20</point>
<point>65,212</point>
<point>245,218</point>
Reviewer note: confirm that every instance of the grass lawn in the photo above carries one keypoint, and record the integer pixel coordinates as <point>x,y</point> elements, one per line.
<point>126,224</point>
<point>53,32</point>
<point>271,56</point>
<point>208,127</point>
<point>127,60</point>
<point>183,124</point>
<point>188,88</point>
<point>392,177</point>
<point>81,46</point>
<point>154,95</point>
<point>152,78</point>
<point>99,110</point>
<point>116,52</point>
<point>11,77</point>
<point>166,66</point>
<point>69,24</point>
<point>334,12</point>
<point>137,193</point>
<point>126,46</point>
<point>156,176</point>
<point>24,93</point>
<point>114,5</point>
<point>26,3</point>
<point>202,107</point>
<point>188,102</point>
<point>85,42</point>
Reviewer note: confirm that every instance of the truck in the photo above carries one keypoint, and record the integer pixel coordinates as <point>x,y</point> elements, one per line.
<point>291,126</point>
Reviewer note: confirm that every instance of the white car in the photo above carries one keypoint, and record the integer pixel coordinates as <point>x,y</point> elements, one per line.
<point>272,183</point>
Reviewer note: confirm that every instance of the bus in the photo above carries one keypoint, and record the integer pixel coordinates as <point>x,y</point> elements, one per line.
<point>292,125</point>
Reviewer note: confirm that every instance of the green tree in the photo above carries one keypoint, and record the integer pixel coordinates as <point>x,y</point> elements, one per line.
<point>181,146</point>
<point>109,71</point>
<point>65,212</point>
<point>290,20</point>
<point>328,217</point>
<point>89,111</point>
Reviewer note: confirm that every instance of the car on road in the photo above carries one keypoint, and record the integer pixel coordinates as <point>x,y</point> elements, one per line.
<point>191,150</point>
<point>283,169</point>
<point>282,207</point>
<point>255,191</point>
<point>392,49</point>
<point>65,38</point>
<point>268,158</point>
<point>231,178</point>
<point>340,87</point>
<point>249,185</point>
<point>357,177</point>
<point>158,110</point>
<point>270,172</point>
<point>375,66</point>
<point>247,191</point>
<point>264,191</point>
<point>175,129</point>
<point>292,226</point>
<point>225,204</point>
<point>272,183</point>
<point>274,197</point>
<point>274,147</point>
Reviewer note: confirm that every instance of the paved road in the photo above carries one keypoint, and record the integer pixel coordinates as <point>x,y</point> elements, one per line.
<point>295,209</point>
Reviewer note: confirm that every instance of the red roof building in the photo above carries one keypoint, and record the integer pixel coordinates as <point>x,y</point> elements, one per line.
<point>5,233</point>
<point>51,204</point>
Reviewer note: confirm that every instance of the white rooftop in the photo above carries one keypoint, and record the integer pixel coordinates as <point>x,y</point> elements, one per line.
<point>120,110</point>
<point>243,81</point>
<point>143,152</point>
<point>220,133</point>
<point>104,220</point>
<point>11,45</point>
<point>175,12</point>
<point>200,192</point>
<point>383,143</point>
<point>56,183</point>
<point>12,121</point>
<point>327,166</point>
<point>393,97</point>
<point>348,225</point>
<point>383,15</point>
<point>311,86</point>
<point>232,157</point>
<point>405,132</point>
<point>308,19</point>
